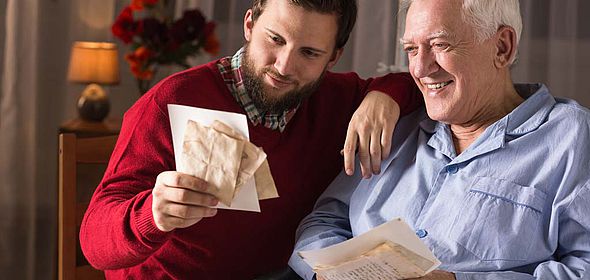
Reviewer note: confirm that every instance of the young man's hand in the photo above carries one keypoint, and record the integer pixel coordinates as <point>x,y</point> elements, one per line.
<point>372,128</point>
<point>180,200</point>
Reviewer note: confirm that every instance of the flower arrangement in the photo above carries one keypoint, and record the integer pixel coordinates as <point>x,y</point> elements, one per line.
<point>155,38</point>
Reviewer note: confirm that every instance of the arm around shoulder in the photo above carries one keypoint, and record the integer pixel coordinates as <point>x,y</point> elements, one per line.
<point>372,124</point>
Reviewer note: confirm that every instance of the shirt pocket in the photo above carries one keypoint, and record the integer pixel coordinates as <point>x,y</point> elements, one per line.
<point>497,218</point>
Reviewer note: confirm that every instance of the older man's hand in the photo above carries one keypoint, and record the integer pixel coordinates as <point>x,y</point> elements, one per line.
<point>371,127</point>
<point>437,275</point>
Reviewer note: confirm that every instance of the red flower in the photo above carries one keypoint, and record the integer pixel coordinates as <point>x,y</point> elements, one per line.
<point>124,27</point>
<point>187,28</point>
<point>138,60</point>
<point>153,32</point>
<point>156,39</point>
<point>212,45</point>
<point>142,74</point>
<point>139,4</point>
<point>208,29</point>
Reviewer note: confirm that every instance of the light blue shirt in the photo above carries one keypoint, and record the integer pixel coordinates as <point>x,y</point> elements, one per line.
<point>514,205</point>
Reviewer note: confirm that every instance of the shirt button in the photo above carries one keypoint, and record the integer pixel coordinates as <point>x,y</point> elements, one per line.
<point>421,233</point>
<point>452,169</point>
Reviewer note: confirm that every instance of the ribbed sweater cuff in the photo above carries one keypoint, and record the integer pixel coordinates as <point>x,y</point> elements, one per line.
<point>402,88</point>
<point>146,226</point>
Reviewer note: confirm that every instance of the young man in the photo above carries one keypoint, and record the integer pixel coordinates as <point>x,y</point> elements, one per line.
<point>493,177</point>
<point>146,221</point>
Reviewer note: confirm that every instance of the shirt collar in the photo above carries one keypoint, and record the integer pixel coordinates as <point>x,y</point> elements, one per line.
<point>231,71</point>
<point>529,115</point>
<point>525,118</point>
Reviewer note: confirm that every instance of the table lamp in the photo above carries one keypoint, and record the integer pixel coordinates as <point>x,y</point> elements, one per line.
<point>94,63</point>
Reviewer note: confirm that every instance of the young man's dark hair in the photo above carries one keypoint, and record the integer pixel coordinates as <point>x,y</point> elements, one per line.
<point>345,10</point>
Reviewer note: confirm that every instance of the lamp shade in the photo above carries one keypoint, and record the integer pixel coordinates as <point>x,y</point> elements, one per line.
<point>94,62</point>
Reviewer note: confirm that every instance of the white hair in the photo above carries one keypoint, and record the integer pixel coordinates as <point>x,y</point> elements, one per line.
<point>487,16</point>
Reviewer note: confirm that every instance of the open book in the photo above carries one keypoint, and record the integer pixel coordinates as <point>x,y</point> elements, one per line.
<point>389,251</point>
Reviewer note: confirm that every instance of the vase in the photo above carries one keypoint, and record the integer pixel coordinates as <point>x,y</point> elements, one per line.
<point>144,86</point>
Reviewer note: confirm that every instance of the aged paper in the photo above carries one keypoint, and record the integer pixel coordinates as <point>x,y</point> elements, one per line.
<point>252,156</point>
<point>213,156</point>
<point>253,161</point>
<point>386,261</point>
<point>246,198</point>
<point>389,251</point>
<point>265,184</point>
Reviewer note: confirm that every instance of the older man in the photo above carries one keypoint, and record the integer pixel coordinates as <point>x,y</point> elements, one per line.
<point>494,177</point>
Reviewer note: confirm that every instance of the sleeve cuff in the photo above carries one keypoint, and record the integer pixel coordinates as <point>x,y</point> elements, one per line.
<point>401,88</point>
<point>145,225</point>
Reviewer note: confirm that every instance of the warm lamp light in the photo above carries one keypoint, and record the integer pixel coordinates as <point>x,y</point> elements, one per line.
<point>94,63</point>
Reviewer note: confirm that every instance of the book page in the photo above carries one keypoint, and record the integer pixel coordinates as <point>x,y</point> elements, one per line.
<point>386,261</point>
<point>389,251</point>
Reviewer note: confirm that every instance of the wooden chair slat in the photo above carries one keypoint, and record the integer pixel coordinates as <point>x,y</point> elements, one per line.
<point>74,151</point>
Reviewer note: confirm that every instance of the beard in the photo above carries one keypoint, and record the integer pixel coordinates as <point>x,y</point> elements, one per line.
<point>266,99</point>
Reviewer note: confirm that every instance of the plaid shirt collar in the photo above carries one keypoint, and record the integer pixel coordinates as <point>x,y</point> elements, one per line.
<point>231,71</point>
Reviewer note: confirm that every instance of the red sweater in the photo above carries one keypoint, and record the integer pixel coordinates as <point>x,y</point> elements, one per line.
<point>118,233</point>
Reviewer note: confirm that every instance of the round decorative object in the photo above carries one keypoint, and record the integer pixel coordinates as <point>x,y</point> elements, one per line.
<point>93,104</point>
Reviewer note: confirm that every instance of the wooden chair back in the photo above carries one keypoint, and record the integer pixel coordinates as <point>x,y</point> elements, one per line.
<point>73,152</point>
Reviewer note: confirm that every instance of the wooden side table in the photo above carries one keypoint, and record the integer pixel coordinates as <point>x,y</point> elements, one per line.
<point>90,174</point>
<point>84,128</point>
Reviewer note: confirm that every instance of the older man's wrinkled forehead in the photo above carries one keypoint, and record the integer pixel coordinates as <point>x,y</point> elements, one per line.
<point>431,19</point>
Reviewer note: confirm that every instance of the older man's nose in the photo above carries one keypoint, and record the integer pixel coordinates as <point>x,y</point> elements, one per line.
<point>424,64</point>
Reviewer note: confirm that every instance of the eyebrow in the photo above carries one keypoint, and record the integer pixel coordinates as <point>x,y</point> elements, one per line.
<point>434,35</point>
<point>307,48</point>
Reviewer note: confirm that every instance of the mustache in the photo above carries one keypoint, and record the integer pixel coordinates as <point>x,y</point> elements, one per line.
<point>277,75</point>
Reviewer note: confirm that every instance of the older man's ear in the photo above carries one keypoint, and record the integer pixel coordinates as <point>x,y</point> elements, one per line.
<point>506,46</point>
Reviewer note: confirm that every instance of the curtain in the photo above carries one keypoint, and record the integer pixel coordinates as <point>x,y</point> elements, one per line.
<point>18,140</point>
<point>554,47</point>
<point>35,40</point>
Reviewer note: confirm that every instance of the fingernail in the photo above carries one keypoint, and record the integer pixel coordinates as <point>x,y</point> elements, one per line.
<point>349,171</point>
<point>342,152</point>
<point>213,202</point>
<point>212,211</point>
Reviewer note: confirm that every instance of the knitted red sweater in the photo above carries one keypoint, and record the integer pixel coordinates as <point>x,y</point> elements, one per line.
<point>118,233</point>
